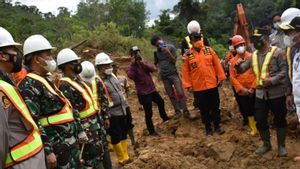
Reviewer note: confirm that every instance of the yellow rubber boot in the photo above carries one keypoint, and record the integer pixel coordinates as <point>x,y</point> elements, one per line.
<point>124,144</point>
<point>110,147</point>
<point>118,149</point>
<point>252,125</point>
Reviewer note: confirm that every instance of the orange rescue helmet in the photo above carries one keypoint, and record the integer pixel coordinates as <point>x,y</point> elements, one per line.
<point>237,40</point>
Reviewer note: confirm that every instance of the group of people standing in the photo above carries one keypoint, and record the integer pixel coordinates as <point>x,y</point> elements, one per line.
<point>59,120</point>
<point>65,118</point>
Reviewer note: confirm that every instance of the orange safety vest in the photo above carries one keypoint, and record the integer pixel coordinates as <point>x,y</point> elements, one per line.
<point>289,61</point>
<point>65,115</point>
<point>95,91</point>
<point>90,107</point>
<point>262,73</point>
<point>32,144</point>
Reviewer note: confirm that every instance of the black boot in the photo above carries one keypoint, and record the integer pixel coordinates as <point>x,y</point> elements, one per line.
<point>281,133</point>
<point>131,136</point>
<point>265,136</point>
<point>208,129</point>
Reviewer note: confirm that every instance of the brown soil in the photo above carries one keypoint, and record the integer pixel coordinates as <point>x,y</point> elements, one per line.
<point>183,144</point>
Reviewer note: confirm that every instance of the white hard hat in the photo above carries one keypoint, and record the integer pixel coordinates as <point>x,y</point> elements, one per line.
<point>287,16</point>
<point>193,26</point>
<point>88,72</point>
<point>66,55</point>
<point>6,39</point>
<point>102,58</point>
<point>36,43</point>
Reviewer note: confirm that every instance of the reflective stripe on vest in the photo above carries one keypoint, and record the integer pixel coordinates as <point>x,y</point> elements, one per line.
<point>32,144</point>
<point>87,94</point>
<point>110,101</point>
<point>188,41</point>
<point>65,115</point>
<point>95,94</point>
<point>289,61</point>
<point>262,73</point>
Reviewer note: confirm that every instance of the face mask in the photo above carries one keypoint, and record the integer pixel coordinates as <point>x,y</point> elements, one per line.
<point>259,44</point>
<point>231,48</point>
<point>288,41</point>
<point>108,71</point>
<point>241,49</point>
<point>16,60</point>
<point>51,65</point>
<point>77,68</point>
<point>198,44</point>
<point>276,25</point>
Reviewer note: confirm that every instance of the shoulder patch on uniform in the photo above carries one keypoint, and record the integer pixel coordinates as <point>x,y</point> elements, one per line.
<point>4,100</point>
<point>206,51</point>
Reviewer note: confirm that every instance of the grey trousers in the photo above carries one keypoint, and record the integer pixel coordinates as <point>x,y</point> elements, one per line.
<point>175,80</point>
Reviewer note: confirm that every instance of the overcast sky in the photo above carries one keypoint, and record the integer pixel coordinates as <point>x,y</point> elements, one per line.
<point>154,6</point>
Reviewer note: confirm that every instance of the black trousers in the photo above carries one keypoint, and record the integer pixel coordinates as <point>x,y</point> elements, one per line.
<point>276,106</point>
<point>246,106</point>
<point>146,101</point>
<point>118,129</point>
<point>208,102</point>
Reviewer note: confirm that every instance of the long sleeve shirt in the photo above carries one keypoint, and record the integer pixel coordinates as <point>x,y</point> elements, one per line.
<point>202,70</point>
<point>296,82</point>
<point>277,72</point>
<point>141,75</point>
<point>241,80</point>
<point>41,102</point>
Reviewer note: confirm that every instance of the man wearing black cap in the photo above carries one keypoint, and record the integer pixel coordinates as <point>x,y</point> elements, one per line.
<point>292,39</point>
<point>269,66</point>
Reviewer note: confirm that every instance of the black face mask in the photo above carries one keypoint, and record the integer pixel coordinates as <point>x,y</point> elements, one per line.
<point>258,44</point>
<point>77,68</point>
<point>16,60</point>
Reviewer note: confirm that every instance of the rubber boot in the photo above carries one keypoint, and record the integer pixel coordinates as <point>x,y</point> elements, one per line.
<point>124,144</point>
<point>110,147</point>
<point>131,136</point>
<point>265,136</point>
<point>252,125</point>
<point>281,133</point>
<point>118,149</point>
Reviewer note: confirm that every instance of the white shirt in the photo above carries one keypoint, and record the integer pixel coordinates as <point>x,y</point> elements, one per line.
<point>296,82</point>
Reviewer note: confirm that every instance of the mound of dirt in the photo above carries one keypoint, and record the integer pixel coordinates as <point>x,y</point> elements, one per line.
<point>183,144</point>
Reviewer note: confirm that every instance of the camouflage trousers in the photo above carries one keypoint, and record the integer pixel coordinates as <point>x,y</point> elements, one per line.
<point>67,157</point>
<point>93,150</point>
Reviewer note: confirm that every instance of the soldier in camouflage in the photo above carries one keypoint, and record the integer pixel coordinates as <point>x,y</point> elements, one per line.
<point>81,98</point>
<point>88,75</point>
<point>50,109</point>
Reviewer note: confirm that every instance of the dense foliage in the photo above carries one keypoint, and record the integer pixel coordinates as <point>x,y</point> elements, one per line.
<point>114,25</point>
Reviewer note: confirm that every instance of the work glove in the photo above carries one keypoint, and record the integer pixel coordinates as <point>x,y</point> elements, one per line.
<point>82,137</point>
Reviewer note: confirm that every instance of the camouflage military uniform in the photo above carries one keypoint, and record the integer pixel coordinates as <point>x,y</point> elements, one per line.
<point>59,139</point>
<point>104,104</point>
<point>93,150</point>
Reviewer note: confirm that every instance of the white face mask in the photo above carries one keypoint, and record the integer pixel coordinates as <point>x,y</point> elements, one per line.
<point>109,71</point>
<point>288,41</point>
<point>241,49</point>
<point>51,65</point>
<point>276,25</point>
<point>231,48</point>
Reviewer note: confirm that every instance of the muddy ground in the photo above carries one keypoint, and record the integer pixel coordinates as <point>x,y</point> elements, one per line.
<point>183,144</point>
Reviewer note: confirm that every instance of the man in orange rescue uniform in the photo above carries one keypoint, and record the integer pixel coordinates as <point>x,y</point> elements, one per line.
<point>243,83</point>
<point>202,73</point>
